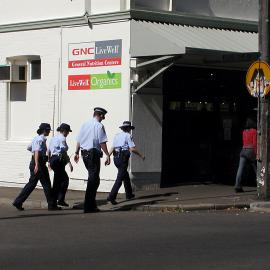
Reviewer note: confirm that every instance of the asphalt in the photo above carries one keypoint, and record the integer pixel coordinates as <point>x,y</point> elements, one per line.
<point>180,198</point>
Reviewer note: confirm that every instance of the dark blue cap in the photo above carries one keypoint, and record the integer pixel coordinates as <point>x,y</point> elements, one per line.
<point>64,126</point>
<point>127,124</point>
<point>44,126</point>
<point>100,110</point>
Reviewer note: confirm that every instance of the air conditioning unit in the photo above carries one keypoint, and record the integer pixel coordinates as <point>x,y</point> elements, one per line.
<point>19,73</point>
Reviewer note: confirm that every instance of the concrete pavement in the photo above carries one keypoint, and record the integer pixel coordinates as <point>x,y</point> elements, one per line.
<point>180,198</point>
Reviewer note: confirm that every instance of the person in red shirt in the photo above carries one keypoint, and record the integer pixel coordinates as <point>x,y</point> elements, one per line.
<point>248,153</point>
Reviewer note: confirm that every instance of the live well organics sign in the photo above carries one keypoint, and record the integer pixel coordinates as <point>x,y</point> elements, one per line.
<point>94,81</point>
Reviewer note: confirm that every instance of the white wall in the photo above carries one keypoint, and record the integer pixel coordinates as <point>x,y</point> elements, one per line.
<point>14,11</point>
<point>40,95</point>
<point>77,105</point>
<point>106,6</point>
<point>147,118</point>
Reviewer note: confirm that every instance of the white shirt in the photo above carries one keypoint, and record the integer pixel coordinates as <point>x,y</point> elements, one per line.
<point>38,144</point>
<point>123,140</point>
<point>58,144</point>
<point>91,135</point>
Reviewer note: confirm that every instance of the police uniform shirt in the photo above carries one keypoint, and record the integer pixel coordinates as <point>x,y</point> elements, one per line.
<point>123,140</point>
<point>58,144</point>
<point>91,135</point>
<point>39,144</point>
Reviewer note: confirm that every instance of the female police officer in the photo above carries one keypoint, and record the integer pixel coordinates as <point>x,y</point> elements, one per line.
<point>38,168</point>
<point>58,159</point>
<point>122,146</point>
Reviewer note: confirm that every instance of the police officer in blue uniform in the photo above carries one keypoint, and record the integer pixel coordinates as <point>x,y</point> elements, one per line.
<point>58,159</point>
<point>90,140</point>
<point>38,168</point>
<point>123,144</point>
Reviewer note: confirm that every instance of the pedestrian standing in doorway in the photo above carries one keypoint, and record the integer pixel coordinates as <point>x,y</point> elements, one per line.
<point>248,153</point>
<point>58,159</point>
<point>38,168</point>
<point>90,140</point>
<point>123,144</point>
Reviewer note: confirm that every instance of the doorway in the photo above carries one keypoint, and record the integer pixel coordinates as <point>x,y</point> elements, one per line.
<point>204,112</point>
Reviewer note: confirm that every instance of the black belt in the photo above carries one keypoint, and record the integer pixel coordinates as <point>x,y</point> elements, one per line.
<point>87,152</point>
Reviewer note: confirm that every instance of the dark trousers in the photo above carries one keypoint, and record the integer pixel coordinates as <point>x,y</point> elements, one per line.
<point>91,161</point>
<point>43,176</point>
<point>121,162</point>
<point>60,179</point>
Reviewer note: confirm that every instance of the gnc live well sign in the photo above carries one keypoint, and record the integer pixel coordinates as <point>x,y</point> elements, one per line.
<point>96,58</point>
<point>95,54</point>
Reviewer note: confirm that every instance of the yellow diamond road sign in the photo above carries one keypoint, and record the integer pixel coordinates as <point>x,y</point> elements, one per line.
<point>258,79</point>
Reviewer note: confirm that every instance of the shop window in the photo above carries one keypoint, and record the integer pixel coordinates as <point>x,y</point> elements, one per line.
<point>157,4</point>
<point>36,70</point>
<point>18,92</point>
<point>5,73</point>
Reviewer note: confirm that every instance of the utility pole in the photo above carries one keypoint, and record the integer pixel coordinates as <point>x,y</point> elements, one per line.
<point>263,171</point>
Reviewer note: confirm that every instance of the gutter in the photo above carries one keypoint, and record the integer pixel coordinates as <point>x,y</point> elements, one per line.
<point>68,21</point>
<point>136,14</point>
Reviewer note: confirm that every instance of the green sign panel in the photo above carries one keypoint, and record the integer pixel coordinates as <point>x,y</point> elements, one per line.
<point>105,81</point>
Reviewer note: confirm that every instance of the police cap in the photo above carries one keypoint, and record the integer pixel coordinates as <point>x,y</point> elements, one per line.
<point>64,126</point>
<point>127,124</point>
<point>44,126</point>
<point>100,110</point>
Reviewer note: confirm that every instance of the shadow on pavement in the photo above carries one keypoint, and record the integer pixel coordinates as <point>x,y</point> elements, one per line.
<point>60,213</point>
<point>127,205</point>
<point>132,206</point>
<point>154,196</point>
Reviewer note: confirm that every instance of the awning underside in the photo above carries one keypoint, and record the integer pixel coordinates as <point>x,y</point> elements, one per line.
<point>157,39</point>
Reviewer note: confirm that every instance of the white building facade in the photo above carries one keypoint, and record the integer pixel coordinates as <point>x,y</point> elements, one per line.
<point>60,59</point>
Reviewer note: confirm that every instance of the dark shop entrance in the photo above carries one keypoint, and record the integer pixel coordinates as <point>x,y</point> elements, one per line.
<point>204,112</point>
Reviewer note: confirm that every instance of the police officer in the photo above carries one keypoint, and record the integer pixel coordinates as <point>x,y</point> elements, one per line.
<point>91,139</point>
<point>58,159</point>
<point>38,168</point>
<point>123,144</point>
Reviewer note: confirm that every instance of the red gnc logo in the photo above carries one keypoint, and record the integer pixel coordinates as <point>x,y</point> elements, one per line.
<point>83,51</point>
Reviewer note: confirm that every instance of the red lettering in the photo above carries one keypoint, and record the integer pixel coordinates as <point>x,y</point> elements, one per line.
<point>83,51</point>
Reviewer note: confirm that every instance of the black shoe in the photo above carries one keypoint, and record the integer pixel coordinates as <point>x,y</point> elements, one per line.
<point>63,203</point>
<point>113,202</point>
<point>239,190</point>
<point>94,210</point>
<point>54,208</point>
<point>18,206</point>
<point>132,196</point>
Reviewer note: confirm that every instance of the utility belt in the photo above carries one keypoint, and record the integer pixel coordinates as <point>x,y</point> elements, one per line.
<point>63,157</point>
<point>88,153</point>
<point>122,154</point>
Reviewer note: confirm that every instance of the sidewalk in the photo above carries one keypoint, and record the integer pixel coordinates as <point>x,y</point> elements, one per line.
<point>180,198</point>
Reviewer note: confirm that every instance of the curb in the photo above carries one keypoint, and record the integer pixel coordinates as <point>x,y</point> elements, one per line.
<point>256,206</point>
<point>191,207</point>
<point>260,207</point>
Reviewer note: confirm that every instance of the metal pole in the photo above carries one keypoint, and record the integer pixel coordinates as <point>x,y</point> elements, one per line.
<point>263,172</point>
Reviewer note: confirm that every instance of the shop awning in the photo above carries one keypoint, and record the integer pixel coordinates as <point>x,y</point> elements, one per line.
<point>159,39</point>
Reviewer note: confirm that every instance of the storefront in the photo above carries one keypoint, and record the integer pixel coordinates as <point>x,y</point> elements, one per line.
<point>180,80</point>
